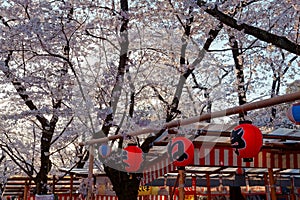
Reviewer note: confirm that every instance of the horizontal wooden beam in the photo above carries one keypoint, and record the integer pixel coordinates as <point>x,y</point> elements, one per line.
<point>222,113</point>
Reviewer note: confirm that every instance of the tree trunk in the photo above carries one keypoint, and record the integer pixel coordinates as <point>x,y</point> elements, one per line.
<point>235,193</point>
<point>42,176</point>
<point>126,185</point>
<point>238,61</point>
<point>274,92</point>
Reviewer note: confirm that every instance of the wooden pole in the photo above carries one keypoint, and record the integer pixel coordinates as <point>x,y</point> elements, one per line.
<point>194,184</point>
<point>90,175</point>
<point>26,190</point>
<point>267,187</point>
<point>272,184</point>
<point>227,112</point>
<point>208,187</point>
<point>293,196</point>
<point>181,181</point>
<point>71,186</point>
<point>53,184</point>
<point>172,191</point>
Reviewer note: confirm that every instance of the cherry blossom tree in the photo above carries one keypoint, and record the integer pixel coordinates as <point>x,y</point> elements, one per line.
<point>37,87</point>
<point>90,69</point>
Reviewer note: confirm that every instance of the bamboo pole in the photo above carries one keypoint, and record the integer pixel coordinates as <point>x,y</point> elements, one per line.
<point>227,112</point>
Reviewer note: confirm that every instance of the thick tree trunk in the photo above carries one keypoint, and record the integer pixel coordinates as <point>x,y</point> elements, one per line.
<point>126,185</point>
<point>235,193</point>
<point>42,176</point>
<point>47,131</point>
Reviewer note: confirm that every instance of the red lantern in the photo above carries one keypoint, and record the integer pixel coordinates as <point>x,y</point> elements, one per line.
<point>247,140</point>
<point>293,113</point>
<point>181,151</point>
<point>133,158</point>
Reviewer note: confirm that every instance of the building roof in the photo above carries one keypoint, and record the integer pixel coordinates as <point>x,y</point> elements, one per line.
<point>280,151</point>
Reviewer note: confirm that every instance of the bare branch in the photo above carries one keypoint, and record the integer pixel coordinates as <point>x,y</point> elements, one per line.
<point>279,41</point>
<point>101,38</point>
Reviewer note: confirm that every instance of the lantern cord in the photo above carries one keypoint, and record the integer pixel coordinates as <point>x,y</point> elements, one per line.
<point>227,112</point>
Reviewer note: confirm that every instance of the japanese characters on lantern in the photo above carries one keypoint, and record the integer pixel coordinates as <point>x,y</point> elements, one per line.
<point>247,140</point>
<point>181,151</point>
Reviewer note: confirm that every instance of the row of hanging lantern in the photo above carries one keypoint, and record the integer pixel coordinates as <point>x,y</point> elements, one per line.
<point>246,140</point>
<point>180,151</point>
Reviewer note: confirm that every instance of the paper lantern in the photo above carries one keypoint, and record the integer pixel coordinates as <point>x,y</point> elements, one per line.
<point>247,140</point>
<point>132,158</point>
<point>293,113</point>
<point>104,150</point>
<point>181,151</point>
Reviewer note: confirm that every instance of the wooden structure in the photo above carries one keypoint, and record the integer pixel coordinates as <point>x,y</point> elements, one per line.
<point>214,156</point>
<point>277,163</point>
<point>279,151</point>
<point>21,186</point>
<point>201,118</point>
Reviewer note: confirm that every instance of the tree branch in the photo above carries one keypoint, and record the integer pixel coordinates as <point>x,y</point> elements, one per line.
<point>279,41</point>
